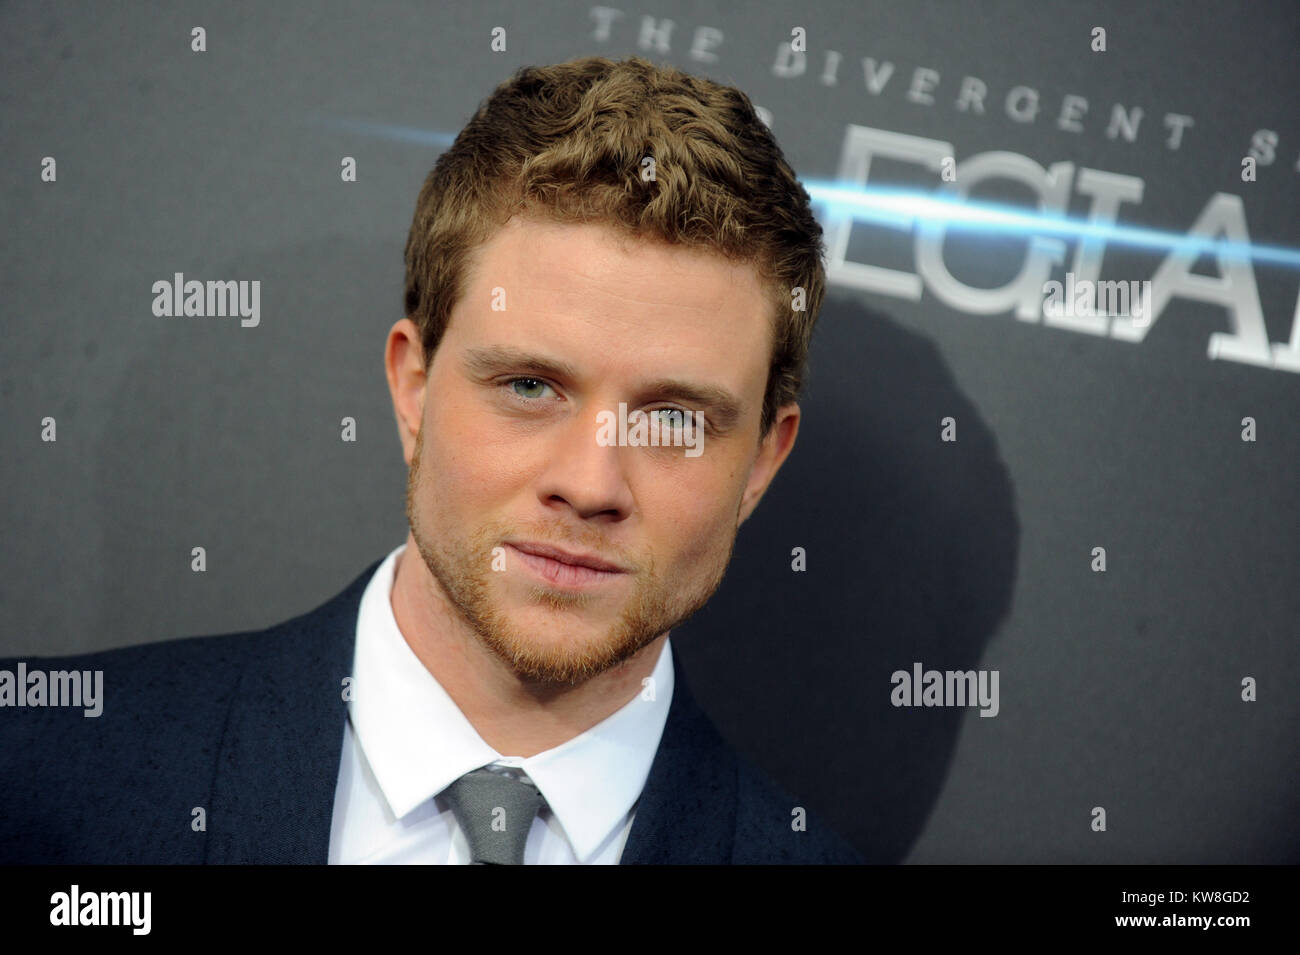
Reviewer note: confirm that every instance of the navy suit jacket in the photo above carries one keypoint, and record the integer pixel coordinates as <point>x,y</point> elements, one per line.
<point>249,726</point>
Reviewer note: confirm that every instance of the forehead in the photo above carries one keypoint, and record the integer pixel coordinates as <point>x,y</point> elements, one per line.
<point>591,289</point>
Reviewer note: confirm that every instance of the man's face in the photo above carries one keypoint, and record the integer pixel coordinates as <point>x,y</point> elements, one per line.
<point>556,324</point>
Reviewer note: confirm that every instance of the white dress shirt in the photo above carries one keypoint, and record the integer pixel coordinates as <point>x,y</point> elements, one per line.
<point>405,741</point>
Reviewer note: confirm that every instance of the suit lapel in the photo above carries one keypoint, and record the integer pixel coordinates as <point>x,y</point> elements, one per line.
<point>277,768</point>
<point>278,762</point>
<point>687,810</point>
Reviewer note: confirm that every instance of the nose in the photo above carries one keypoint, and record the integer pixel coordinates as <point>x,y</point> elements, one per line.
<point>582,475</point>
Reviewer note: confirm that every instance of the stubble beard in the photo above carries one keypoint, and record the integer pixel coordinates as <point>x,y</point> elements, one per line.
<point>462,568</point>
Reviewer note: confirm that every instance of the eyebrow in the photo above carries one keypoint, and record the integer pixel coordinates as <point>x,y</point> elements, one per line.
<point>721,408</point>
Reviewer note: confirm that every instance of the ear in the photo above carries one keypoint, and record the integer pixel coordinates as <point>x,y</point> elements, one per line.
<point>773,451</point>
<point>407,378</point>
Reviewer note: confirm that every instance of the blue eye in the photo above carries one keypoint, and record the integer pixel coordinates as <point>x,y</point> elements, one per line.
<point>535,383</point>
<point>670,418</point>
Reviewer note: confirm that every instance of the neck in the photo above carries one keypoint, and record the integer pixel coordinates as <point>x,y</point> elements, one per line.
<point>514,717</point>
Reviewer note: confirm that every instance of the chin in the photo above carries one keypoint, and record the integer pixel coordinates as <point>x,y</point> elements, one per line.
<point>558,667</point>
<point>543,648</point>
<point>557,633</point>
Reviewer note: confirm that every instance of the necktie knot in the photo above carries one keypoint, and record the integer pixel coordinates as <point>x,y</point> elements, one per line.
<point>496,811</point>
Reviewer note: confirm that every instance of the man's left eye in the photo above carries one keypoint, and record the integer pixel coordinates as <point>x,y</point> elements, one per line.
<point>673,418</point>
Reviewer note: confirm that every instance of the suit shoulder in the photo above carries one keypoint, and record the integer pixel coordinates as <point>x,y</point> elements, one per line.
<point>111,743</point>
<point>175,649</point>
<point>765,826</point>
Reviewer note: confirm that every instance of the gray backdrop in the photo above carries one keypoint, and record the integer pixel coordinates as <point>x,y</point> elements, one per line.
<point>1119,689</point>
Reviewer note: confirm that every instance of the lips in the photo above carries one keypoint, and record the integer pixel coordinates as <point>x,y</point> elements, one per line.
<point>571,558</point>
<point>550,565</point>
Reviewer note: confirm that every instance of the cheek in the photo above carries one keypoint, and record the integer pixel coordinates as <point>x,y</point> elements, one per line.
<point>698,513</point>
<point>461,456</point>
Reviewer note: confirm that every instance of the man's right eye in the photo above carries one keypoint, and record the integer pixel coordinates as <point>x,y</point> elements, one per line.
<point>526,388</point>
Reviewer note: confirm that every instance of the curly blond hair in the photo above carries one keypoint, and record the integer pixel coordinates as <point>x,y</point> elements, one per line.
<point>567,143</point>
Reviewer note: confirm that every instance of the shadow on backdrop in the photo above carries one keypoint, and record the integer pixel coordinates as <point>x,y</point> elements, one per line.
<point>911,546</point>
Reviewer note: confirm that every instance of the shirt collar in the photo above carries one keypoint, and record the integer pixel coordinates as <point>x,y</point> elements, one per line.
<point>589,782</point>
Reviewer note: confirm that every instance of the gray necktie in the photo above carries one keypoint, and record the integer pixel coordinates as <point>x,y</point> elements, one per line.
<point>496,810</point>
